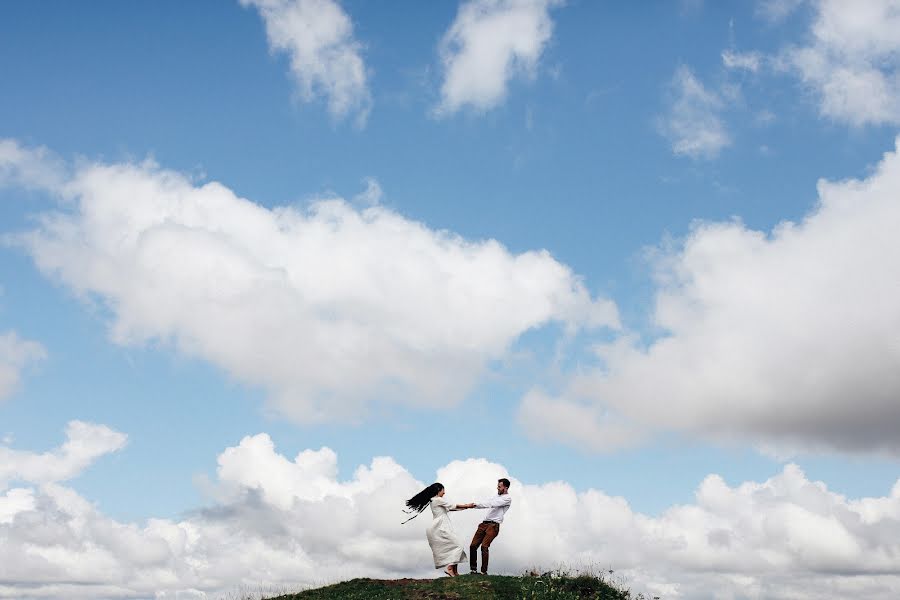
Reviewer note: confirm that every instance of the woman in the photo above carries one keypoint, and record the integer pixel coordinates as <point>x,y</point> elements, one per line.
<point>447,550</point>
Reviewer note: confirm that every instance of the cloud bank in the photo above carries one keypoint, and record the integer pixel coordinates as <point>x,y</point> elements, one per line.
<point>282,521</point>
<point>325,58</point>
<point>789,337</point>
<point>489,43</point>
<point>329,307</point>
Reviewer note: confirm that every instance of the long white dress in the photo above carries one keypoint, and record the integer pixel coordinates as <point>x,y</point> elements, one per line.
<point>444,545</point>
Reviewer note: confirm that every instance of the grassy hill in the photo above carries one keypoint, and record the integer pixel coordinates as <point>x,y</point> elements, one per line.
<point>472,587</point>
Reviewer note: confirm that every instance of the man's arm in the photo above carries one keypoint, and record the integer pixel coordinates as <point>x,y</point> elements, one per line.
<point>501,500</point>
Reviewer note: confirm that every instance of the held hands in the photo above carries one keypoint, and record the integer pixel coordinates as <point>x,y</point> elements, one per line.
<point>465,506</point>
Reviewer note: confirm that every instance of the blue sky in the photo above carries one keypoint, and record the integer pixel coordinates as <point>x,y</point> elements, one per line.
<point>541,238</point>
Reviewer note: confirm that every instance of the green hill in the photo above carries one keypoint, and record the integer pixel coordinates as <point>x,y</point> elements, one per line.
<point>471,587</point>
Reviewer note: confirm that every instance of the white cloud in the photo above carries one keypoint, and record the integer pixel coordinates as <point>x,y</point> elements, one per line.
<point>372,195</point>
<point>776,11</point>
<point>325,57</point>
<point>328,308</point>
<point>694,125</point>
<point>85,442</point>
<point>853,61</point>
<point>489,43</point>
<point>576,424</point>
<point>292,522</point>
<point>15,501</point>
<point>764,118</point>
<point>749,61</point>
<point>790,338</point>
<point>15,355</point>
<point>29,168</point>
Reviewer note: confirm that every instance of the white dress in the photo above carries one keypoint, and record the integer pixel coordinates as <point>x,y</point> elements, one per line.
<point>444,545</point>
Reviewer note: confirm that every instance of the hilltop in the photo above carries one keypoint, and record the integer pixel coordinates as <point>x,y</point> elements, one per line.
<point>471,587</point>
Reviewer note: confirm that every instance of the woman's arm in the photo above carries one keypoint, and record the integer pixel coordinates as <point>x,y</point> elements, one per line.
<point>463,506</point>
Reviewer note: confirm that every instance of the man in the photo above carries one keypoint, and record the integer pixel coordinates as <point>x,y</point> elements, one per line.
<point>490,527</point>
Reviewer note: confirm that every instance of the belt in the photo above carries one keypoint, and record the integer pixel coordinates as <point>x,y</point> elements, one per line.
<point>494,522</point>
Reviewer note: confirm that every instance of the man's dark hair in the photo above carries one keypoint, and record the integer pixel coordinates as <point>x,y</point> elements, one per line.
<point>504,481</point>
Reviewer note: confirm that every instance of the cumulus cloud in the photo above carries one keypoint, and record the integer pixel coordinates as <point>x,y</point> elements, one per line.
<point>15,355</point>
<point>85,442</point>
<point>789,337</point>
<point>489,43</point>
<point>293,522</point>
<point>852,61</point>
<point>693,123</point>
<point>325,58</point>
<point>328,307</point>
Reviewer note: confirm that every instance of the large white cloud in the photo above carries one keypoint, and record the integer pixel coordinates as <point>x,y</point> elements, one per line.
<point>852,60</point>
<point>325,57</point>
<point>489,43</point>
<point>789,337</point>
<point>693,123</point>
<point>279,521</point>
<point>16,354</point>
<point>327,307</point>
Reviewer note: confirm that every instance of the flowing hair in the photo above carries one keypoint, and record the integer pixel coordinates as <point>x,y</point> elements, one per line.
<point>417,503</point>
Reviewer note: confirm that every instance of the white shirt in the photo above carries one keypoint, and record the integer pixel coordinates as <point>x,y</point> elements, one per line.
<point>499,504</point>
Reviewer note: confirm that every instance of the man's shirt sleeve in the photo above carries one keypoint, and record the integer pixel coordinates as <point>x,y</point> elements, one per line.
<point>495,502</point>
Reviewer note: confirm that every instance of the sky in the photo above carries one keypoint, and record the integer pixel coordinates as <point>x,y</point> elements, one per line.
<point>269,267</point>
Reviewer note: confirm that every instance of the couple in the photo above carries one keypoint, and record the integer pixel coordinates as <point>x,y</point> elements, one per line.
<point>445,546</point>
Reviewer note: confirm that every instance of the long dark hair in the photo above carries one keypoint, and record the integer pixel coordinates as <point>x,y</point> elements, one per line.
<point>417,503</point>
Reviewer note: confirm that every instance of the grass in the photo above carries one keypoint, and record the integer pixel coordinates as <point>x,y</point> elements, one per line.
<point>557,585</point>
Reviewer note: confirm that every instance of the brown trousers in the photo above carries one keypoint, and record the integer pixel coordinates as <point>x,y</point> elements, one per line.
<point>483,537</point>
